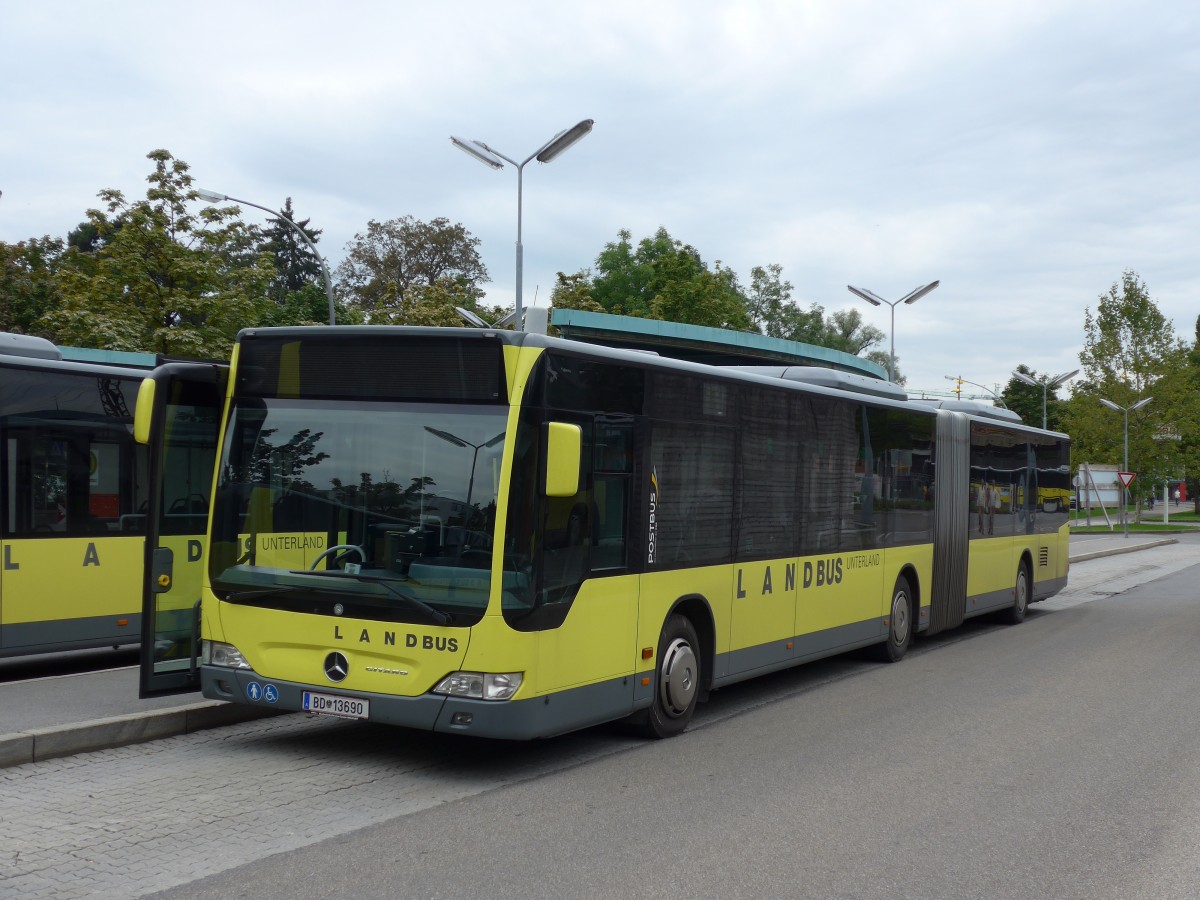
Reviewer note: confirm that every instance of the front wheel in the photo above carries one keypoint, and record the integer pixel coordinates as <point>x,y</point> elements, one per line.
<point>677,681</point>
<point>1015,614</point>
<point>900,623</point>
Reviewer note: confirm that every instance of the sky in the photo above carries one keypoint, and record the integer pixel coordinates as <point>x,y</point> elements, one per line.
<point>1023,154</point>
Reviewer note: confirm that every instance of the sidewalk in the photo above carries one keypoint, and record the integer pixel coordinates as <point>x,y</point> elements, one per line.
<point>1093,546</point>
<point>44,718</point>
<point>50,717</point>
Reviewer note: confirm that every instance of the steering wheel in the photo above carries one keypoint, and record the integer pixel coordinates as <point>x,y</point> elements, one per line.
<point>339,549</point>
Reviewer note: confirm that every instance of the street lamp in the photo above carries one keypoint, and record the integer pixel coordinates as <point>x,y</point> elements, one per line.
<point>214,197</point>
<point>1125,466</point>
<point>875,300</point>
<point>494,159</point>
<point>1056,381</point>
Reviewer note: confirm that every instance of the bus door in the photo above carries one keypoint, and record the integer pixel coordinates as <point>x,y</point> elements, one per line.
<point>179,417</point>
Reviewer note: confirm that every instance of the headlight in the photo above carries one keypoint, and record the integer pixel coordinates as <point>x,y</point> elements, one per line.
<point>480,685</point>
<point>214,653</point>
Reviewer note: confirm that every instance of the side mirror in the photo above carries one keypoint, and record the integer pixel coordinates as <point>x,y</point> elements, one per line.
<point>564,449</point>
<point>143,412</point>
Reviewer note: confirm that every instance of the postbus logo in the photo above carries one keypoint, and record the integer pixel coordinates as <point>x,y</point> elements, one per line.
<point>652,535</point>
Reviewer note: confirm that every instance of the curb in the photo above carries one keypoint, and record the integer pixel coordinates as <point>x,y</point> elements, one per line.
<point>1142,545</point>
<point>40,744</point>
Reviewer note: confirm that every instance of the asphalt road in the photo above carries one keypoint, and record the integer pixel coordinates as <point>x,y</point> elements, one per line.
<point>1056,758</point>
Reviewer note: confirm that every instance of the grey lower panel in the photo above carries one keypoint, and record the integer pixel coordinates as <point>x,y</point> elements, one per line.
<point>69,634</point>
<point>979,604</point>
<point>514,720</point>
<point>754,661</point>
<point>1048,588</point>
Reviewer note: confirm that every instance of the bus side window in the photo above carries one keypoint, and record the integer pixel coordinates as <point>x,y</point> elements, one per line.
<point>567,530</point>
<point>613,467</point>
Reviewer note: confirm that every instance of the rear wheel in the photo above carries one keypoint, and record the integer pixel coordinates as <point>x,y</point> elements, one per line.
<point>677,682</point>
<point>900,623</point>
<point>1015,614</point>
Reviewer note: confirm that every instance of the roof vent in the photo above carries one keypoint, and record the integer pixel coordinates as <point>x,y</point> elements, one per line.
<point>27,345</point>
<point>830,378</point>
<point>979,408</point>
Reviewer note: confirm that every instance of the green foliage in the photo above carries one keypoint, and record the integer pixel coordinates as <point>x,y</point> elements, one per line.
<point>433,304</point>
<point>1128,340</point>
<point>1131,353</point>
<point>162,279</point>
<point>845,330</point>
<point>28,282</point>
<point>664,278</point>
<point>307,306</point>
<point>574,292</point>
<point>296,265</point>
<point>86,237</point>
<point>405,267</point>
<point>773,312</point>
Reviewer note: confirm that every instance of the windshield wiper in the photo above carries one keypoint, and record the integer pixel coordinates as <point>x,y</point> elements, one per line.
<point>235,596</point>
<point>438,617</point>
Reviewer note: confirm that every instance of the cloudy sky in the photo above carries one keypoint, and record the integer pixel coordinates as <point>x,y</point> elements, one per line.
<point>1023,153</point>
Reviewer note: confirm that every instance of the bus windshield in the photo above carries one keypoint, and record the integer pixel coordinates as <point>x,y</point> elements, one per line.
<point>386,509</point>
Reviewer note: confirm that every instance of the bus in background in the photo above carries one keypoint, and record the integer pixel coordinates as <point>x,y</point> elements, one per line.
<point>510,535</point>
<point>73,494</point>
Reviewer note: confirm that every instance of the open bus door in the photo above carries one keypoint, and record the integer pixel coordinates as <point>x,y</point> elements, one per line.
<point>179,417</point>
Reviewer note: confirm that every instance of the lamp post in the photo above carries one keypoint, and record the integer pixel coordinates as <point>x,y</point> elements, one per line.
<point>214,197</point>
<point>494,159</point>
<point>875,300</point>
<point>1126,410</point>
<point>1056,381</point>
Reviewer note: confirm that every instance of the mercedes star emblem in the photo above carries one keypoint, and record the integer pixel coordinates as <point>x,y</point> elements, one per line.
<point>336,667</point>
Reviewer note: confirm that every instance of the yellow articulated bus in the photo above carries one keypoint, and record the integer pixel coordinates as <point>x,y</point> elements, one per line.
<point>511,535</point>
<point>73,495</point>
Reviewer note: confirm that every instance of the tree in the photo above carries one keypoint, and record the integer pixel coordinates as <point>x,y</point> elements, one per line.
<point>295,263</point>
<point>389,269</point>
<point>773,312</point>
<point>307,306</point>
<point>162,279</point>
<point>845,330</point>
<point>574,292</point>
<point>1131,353</point>
<point>769,294</point>
<point>29,282</point>
<point>663,278</point>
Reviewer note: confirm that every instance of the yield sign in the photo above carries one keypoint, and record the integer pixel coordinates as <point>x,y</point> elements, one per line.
<point>1126,478</point>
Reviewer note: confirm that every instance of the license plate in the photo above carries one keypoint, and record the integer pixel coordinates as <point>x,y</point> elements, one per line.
<point>333,705</point>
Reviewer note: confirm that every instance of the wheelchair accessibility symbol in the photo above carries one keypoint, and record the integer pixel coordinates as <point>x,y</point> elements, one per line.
<point>270,693</point>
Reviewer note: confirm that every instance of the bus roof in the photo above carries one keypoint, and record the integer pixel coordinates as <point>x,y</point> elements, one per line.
<point>815,379</point>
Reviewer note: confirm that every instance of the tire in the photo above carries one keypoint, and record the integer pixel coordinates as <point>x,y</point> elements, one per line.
<point>900,623</point>
<point>677,680</point>
<point>1015,614</point>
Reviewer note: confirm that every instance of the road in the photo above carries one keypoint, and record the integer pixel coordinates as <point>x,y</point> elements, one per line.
<point>1055,758</point>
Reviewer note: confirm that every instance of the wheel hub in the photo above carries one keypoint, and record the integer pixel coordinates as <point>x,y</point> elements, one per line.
<point>900,621</point>
<point>679,677</point>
